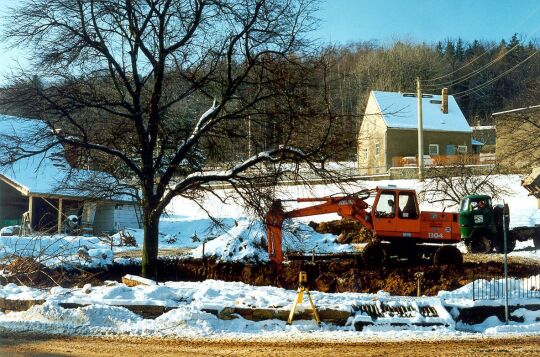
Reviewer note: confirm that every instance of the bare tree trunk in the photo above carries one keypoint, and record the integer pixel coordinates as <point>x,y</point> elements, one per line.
<point>150,244</point>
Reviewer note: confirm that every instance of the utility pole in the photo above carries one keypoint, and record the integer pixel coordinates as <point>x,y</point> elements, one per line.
<point>420,131</point>
<point>505,237</point>
<point>249,136</point>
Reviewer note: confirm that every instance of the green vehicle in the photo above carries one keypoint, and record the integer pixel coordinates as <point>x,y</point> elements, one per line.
<point>481,225</point>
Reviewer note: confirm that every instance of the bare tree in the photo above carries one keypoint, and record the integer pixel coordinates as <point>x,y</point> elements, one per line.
<point>449,184</point>
<point>159,92</point>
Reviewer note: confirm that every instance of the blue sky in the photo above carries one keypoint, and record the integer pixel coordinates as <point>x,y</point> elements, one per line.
<point>429,21</point>
<point>344,21</point>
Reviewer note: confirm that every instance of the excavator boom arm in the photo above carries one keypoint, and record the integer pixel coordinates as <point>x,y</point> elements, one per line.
<point>346,206</point>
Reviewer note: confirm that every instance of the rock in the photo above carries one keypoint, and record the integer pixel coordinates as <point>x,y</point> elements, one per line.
<point>325,282</point>
<point>133,280</point>
<point>227,313</point>
<point>344,238</point>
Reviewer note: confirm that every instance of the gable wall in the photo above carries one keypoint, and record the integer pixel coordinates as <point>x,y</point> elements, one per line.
<point>113,217</point>
<point>104,218</point>
<point>517,145</point>
<point>125,216</point>
<point>372,134</point>
<point>12,203</point>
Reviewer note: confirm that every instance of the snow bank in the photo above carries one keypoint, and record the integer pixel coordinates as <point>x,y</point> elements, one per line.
<point>190,305</point>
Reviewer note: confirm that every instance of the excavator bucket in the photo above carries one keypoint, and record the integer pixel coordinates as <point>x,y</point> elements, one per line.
<point>273,222</point>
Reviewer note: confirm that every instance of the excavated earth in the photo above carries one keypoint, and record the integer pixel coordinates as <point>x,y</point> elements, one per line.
<point>396,277</point>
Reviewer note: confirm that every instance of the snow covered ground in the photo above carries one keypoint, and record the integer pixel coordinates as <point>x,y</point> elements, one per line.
<point>191,301</point>
<point>237,237</point>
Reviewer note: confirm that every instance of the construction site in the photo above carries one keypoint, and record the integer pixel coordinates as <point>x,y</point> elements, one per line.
<point>269,177</point>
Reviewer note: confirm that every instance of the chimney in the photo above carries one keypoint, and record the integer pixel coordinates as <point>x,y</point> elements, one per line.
<point>444,100</point>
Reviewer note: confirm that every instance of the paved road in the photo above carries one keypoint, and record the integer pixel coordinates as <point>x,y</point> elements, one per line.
<point>31,345</point>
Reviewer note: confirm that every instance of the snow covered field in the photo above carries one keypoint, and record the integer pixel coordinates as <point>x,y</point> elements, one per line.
<point>237,237</point>
<point>191,301</point>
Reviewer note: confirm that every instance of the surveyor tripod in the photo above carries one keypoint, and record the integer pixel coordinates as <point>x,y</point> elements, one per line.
<point>302,279</point>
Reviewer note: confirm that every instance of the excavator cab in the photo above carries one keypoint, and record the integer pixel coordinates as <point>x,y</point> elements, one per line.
<point>396,203</point>
<point>396,210</point>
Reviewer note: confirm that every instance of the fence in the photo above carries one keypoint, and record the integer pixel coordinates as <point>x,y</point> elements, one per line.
<point>437,160</point>
<point>491,287</point>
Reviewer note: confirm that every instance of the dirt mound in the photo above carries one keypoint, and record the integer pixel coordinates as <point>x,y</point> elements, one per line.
<point>398,277</point>
<point>347,230</point>
<point>345,275</point>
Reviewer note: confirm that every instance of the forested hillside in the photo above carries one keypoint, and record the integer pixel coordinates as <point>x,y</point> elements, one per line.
<point>484,77</point>
<point>326,91</point>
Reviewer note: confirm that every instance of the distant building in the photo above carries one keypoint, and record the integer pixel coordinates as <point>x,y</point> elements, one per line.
<point>388,135</point>
<point>484,134</point>
<point>518,147</point>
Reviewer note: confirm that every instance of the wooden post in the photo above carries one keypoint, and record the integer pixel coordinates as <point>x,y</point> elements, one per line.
<point>30,211</point>
<point>420,132</point>
<point>60,201</point>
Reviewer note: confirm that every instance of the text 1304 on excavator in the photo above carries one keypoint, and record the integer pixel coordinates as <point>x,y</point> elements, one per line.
<point>395,220</point>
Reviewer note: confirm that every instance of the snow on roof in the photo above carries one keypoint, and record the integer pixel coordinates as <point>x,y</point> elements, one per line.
<point>399,110</point>
<point>483,127</point>
<point>43,174</point>
<point>516,110</point>
<point>476,142</point>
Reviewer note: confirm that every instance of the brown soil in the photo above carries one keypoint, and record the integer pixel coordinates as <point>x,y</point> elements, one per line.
<point>340,275</point>
<point>31,345</point>
<point>397,277</point>
<point>347,230</point>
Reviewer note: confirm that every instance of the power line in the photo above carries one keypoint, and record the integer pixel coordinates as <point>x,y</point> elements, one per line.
<point>468,76</point>
<point>483,85</point>
<point>456,70</point>
<point>475,72</point>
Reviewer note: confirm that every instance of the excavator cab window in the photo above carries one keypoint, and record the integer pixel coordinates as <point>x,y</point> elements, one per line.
<point>407,208</point>
<point>386,207</point>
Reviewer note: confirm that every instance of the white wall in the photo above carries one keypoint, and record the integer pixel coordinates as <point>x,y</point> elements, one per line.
<point>104,218</point>
<point>113,217</point>
<point>125,216</point>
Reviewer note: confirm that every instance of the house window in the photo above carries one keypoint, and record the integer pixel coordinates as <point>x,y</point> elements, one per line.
<point>377,149</point>
<point>462,149</point>
<point>434,149</point>
<point>365,154</point>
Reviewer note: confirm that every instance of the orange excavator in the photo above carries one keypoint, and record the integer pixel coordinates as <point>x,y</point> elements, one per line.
<point>395,220</point>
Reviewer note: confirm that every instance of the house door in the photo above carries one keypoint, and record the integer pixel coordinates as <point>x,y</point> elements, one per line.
<point>450,149</point>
